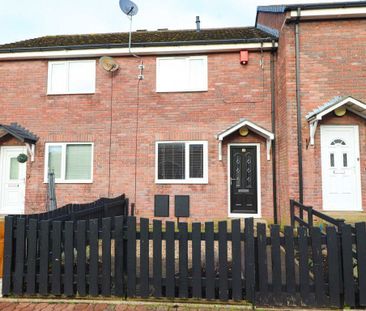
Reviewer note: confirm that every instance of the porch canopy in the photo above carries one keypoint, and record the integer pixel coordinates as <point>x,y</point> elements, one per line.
<point>21,134</point>
<point>351,104</point>
<point>269,136</point>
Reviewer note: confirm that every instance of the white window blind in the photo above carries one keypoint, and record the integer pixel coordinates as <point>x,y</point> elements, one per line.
<point>71,162</point>
<point>57,80</point>
<point>181,74</point>
<point>71,77</point>
<point>78,162</point>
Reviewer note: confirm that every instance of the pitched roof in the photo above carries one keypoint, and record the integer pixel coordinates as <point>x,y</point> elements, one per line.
<point>18,132</point>
<point>354,105</point>
<point>142,39</point>
<point>245,122</point>
<point>310,6</point>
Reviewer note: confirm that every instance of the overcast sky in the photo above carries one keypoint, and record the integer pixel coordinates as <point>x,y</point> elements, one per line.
<point>24,19</point>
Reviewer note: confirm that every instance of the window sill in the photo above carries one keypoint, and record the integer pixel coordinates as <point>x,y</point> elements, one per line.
<point>182,91</point>
<point>181,182</point>
<point>71,182</point>
<point>58,94</point>
<point>244,215</point>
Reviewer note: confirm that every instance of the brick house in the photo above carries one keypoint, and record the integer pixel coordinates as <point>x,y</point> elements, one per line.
<point>213,124</point>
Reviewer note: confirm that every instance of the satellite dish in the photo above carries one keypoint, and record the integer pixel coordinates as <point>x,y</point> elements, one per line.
<point>108,63</point>
<point>128,7</point>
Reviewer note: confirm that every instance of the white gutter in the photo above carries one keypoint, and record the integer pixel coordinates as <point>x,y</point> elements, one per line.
<point>329,13</point>
<point>83,53</point>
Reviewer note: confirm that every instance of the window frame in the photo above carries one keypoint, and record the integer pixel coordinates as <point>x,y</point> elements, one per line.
<point>68,62</point>
<point>163,89</point>
<point>62,180</point>
<point>187,179</point>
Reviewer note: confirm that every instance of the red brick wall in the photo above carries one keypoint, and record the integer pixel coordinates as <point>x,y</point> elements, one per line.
<point>332,62</point>
<point>235,92</point>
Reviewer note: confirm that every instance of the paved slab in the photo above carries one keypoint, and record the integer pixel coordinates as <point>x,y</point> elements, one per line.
<point>108,305</point>
<point>7,304</point>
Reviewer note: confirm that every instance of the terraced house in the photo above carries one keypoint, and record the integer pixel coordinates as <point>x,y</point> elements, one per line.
<point>201,123</point>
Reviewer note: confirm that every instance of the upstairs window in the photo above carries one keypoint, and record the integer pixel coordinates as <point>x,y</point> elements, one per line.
<point>181,162</point>
<point>181,74</point>
<point>70,162</point>
<point>71,77</point>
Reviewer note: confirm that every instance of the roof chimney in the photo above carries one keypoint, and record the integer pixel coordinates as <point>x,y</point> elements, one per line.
<point>198,24</point>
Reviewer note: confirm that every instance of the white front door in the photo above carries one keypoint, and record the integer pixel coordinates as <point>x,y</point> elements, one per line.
<point>340,156</point>
<point>12,181</point>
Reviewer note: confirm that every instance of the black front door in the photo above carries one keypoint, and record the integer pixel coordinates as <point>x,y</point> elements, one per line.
<point>243,179</point>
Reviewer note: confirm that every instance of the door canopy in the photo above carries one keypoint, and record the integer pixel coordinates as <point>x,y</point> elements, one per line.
<point>269,136</point>
<point>22,134</point>
<point>349,103</point>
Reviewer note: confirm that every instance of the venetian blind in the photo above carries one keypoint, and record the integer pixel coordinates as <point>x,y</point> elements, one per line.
<point>171,161</point>
<point>196,161</point>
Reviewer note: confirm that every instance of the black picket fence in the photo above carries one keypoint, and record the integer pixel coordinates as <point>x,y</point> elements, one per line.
<point>124,258</point>
<point>101,208</point>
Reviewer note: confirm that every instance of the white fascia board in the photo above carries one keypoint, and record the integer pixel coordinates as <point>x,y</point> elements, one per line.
<point>357,112</point>
<point>320,115</point>
<point>260,131</point>
<point>329,13</point>
<point>167,50</point>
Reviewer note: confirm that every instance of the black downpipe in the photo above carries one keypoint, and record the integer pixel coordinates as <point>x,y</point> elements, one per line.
<point>298,104</point>
<point>273,120</point>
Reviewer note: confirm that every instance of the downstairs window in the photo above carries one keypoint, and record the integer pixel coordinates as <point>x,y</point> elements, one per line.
<point>181,162</point>
<point>71,162</point>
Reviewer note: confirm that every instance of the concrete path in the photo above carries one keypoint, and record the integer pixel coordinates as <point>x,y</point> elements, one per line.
<point>81,305</point>
<point>65,305</point>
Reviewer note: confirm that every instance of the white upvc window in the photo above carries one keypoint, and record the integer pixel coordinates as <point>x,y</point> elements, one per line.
<point>70,162</point>
<point>181,162</point>
<point>181,74</point>
<point>71,77</point>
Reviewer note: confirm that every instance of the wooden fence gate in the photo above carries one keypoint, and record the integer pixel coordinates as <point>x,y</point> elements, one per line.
<point>123,258</point>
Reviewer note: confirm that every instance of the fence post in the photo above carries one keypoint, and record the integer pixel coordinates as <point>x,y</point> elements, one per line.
<point>361,259</point>
<point>8,255</point>
<point>310,216</point>
<point>292,213</point>
<point>340,224</point>
<point>132,209</point>
<point>250,285</point>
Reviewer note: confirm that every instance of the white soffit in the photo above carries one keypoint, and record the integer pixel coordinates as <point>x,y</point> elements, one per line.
<point>329,13</point>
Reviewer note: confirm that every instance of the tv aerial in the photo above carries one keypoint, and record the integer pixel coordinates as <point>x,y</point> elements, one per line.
<point>128,7</point>
<point>108,63</point>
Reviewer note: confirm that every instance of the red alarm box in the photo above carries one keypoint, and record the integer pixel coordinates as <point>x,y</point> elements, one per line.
<point>244,57</point>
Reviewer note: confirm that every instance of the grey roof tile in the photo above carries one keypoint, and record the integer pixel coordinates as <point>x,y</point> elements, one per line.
<point>18,132</point>
<point>144,38</point>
